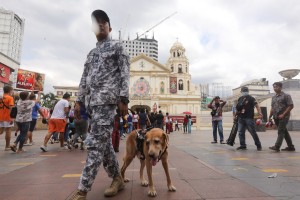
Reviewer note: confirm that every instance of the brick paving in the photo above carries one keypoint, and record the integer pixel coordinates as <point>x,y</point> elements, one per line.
<point>199,170</point>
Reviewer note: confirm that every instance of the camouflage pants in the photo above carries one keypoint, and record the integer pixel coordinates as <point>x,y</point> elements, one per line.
<point>99,147</point>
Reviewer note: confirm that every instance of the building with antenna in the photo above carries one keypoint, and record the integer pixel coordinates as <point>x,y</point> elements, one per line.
<point>148,47</point>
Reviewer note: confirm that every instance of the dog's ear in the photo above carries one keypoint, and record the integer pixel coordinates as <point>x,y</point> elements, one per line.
<point>166,139</point>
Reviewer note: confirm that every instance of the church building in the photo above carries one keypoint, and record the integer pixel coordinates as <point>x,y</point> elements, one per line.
<point>168,88</point>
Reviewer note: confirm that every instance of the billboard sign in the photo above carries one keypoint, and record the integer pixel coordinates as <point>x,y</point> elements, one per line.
<point>28,80</point>
<point>4,73</point>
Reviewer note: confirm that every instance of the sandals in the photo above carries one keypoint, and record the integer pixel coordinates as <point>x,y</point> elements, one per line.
<point>13,148</point>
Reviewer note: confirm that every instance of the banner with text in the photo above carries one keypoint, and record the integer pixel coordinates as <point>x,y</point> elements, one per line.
<point>28,80</point>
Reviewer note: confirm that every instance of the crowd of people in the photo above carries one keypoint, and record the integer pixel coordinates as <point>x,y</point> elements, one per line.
<point>69,126</point>
<point>281,106</point>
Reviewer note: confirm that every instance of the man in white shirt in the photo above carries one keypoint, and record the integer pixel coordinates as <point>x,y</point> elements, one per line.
<point>57,122</point>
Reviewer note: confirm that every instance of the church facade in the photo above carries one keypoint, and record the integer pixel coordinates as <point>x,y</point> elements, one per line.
<point>168,88</point>
<point>155,86</point>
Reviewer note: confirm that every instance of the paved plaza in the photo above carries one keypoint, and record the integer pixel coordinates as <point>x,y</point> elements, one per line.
<point>199,170</point>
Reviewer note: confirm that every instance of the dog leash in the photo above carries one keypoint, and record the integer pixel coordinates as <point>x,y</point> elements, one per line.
<point>160,155</point>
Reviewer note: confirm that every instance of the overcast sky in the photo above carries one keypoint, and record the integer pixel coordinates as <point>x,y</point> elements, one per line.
<point>226,41</point>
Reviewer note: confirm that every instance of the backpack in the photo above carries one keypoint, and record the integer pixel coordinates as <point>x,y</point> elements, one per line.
<point>13,112</point>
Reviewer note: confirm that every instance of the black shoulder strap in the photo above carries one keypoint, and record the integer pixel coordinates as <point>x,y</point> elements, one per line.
<point>3,104</point>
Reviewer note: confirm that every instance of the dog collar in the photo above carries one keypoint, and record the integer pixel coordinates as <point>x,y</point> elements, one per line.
<point>160,155</point>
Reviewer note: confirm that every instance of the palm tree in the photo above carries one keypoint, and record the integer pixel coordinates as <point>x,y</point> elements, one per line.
<point>48,100</point>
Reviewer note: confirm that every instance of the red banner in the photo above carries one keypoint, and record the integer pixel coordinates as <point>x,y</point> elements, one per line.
<point>29,80</point>
<point>180,119</point>
<point>4,73</point>
<point>173,85</point>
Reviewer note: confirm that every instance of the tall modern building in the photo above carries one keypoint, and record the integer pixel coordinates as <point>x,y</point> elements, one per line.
<point>11,38</point>
<point>148,47</point>
<point>11,34</point>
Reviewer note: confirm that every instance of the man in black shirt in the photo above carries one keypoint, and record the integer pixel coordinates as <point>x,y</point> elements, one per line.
<point>160,120</point>
<point>245,107</point>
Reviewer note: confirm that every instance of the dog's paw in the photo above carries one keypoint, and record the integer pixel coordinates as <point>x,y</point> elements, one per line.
<point>172,188</point>
<point>144,183</point>
<point>126,180</point>
<point>152,193</point>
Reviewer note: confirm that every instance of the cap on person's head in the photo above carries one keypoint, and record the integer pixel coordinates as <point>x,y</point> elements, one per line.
<point>217,97</point>
<point>279,84</point>
<point>66,96</point>
<point>100,14</point>
<point>244,89</point>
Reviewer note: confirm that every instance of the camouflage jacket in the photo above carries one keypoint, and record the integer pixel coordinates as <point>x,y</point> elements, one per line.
<point>105,76</point>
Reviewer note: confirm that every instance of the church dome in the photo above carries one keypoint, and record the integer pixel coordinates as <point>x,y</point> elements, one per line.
<point>177,46</point>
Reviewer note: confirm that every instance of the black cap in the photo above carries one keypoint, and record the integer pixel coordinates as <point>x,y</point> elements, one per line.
<point>244,89</point>
<point>217,97</point>
<point>100,14</point>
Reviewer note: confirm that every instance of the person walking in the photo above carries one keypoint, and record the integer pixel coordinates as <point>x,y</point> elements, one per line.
<point>185,123</point>
<point>135,120</point>
<point>80,123</point>
<point>57,121</point>
<point>216,106</point>
<point>6,103</point>
<point>160,120</point>
<point>104,85</point>
<point>281,106</point>
<point>129,122</point>
<point>245,107</point>
<point>34,116</point>
<point>144,119</point>
<point>189,124</point>
<point>168,122</point>
<point>23,119</point>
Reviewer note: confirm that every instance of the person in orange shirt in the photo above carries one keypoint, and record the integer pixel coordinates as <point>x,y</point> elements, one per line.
<point>6,103</point>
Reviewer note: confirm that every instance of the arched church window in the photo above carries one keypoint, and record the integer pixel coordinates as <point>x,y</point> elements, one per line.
<point>188,85</point>
<point>162,87</point>
<point>180,84</point>
<point>174,54</point>
<point>172,68</point>
<point>186,70</point>
<point>179,68</point>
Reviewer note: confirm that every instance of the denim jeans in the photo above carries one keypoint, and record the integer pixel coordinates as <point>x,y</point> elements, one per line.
<point>129,127</point>
<point>184,128</point>
<point>23,127</point>
<point>283,132</point>
<point>217,126</point>
<point>247,123</point>
<point>66,134</point>
<point>121,129</point>
<point>81,128</point>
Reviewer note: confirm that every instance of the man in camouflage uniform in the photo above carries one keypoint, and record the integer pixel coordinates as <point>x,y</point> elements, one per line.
<point>104,86</point>
<point>281,106</point>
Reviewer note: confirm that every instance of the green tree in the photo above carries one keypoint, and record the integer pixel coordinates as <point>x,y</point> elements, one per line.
<point>48,100</point>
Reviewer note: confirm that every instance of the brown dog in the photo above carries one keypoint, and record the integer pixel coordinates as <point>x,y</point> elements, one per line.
<point>155,149</point>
